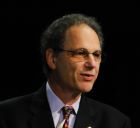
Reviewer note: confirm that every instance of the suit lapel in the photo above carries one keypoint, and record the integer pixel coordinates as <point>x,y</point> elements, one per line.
<point>41,116</point>
<point>84,118</point>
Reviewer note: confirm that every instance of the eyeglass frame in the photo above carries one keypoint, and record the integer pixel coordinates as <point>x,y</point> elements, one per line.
<point>82,52</point>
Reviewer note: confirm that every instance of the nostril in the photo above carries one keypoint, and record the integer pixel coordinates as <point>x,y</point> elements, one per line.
<point>89,64</point>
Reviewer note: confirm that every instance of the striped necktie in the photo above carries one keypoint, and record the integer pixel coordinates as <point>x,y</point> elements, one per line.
<point>67,110</point>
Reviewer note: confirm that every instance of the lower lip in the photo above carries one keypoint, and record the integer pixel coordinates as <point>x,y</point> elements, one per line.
<point>87,78</point>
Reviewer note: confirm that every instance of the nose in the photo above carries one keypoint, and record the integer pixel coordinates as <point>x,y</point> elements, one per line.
<point>90,62</point>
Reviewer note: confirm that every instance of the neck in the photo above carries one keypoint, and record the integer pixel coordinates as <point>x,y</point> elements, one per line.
<point>68,96</point>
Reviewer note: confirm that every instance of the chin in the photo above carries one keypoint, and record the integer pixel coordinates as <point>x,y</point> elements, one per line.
<point>86,87</point>
<point>86,90</point>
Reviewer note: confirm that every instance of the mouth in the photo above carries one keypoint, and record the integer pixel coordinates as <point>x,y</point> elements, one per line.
<point>87,76</point>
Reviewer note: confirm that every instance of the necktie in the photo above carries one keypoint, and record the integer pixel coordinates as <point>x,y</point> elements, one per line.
<point>67,110</point>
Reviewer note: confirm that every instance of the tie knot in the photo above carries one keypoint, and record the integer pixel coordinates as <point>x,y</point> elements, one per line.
<point>67,110</point>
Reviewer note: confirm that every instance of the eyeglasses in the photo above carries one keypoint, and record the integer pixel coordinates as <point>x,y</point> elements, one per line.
<point>82,54</point>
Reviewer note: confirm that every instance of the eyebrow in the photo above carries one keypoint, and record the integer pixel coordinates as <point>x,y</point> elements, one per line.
<point>100,51</point>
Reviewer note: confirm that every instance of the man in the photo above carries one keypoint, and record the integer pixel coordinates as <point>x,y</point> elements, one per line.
<point>72,50</point>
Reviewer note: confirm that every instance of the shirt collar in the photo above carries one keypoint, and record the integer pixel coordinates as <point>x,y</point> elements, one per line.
<point>55,102</point>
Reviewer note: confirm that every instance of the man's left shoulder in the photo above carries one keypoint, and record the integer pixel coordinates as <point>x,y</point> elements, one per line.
<point>106,116</point>
<point>105,110</point>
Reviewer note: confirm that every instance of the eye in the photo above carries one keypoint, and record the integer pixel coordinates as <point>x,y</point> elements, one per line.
<point>81,52</point>
<point>97,54</point>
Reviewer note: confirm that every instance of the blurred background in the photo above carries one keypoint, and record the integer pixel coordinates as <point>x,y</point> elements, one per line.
<point>22,24</point>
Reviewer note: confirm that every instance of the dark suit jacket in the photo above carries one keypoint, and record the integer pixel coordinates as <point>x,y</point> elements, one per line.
<point>32,111</point>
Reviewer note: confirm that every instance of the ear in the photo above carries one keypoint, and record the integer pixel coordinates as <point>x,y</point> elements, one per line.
<point>50,58</point>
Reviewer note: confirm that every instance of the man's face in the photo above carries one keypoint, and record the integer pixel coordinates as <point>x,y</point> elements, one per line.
<point>73,73</point>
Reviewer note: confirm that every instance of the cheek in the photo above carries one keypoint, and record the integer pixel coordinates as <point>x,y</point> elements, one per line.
<point>73,70</point>
<point>98,67</point>
<point>68,69</point>
<point>78,67</point>
<point>97,70</point>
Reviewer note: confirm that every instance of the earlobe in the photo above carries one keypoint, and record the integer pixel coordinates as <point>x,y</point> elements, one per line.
<point>50,58</point>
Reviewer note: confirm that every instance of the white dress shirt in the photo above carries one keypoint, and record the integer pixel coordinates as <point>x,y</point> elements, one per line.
<point>56,105</point>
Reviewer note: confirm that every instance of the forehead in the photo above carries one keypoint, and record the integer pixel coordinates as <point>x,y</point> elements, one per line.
<point>81,36</point>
